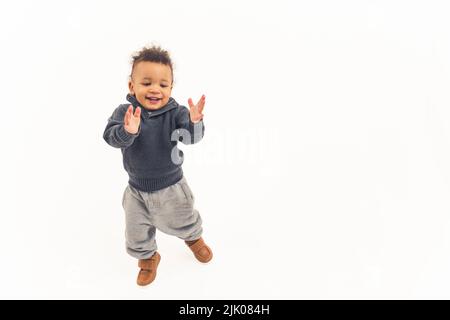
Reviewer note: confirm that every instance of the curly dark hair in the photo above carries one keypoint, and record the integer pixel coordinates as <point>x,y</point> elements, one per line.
<point>152,54</point>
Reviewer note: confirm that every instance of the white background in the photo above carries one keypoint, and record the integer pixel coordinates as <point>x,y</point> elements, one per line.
<point>324,172</point>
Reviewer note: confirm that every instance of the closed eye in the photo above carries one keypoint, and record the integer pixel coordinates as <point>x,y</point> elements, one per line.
<point>162,86</point>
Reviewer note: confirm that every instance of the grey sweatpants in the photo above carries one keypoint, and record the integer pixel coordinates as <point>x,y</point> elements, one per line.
<point>170,210</point>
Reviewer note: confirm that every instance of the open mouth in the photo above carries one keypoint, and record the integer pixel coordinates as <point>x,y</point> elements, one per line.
<point>153,99</point>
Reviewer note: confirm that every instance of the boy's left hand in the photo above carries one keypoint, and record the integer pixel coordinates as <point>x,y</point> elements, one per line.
<point>195,111</point>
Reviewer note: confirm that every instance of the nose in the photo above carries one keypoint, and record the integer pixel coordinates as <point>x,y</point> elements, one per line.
<point>153,90</point>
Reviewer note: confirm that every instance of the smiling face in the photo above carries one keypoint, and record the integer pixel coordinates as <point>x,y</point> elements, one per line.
<point>151,83</point>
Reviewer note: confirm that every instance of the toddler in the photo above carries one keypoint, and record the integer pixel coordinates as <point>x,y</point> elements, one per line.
<point>147,131</point>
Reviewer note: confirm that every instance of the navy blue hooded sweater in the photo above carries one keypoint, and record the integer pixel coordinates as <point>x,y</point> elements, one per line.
<point>151,157</point>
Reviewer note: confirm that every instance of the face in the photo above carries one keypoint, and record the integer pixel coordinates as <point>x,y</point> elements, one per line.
<point>151,83</point>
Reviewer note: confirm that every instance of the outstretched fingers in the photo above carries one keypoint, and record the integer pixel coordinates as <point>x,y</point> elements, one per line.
<point>201,104</point>
<point>126,118</point>
<point>196,109</point>
<point>191,104</point>
<point>137,112</point>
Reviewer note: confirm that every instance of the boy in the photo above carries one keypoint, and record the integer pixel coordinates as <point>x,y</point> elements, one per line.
<point>147,132</point>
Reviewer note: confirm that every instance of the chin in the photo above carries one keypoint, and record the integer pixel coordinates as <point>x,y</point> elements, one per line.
<point>153,107</point>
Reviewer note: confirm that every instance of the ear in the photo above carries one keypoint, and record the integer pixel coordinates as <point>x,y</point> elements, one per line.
<point>131,87</point>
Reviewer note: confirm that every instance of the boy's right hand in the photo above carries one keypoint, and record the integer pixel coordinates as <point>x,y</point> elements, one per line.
<point>132,121</point>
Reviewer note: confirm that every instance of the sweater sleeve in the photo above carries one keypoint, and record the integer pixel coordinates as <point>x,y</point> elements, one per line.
<point>115,134</point>
<point>193,132</point>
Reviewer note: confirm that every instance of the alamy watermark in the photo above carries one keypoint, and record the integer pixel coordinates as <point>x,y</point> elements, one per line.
<point>249,146</point>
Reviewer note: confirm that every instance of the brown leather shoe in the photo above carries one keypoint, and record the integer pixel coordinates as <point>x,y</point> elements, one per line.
<point>201,251</point>
<point>148,269</point>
